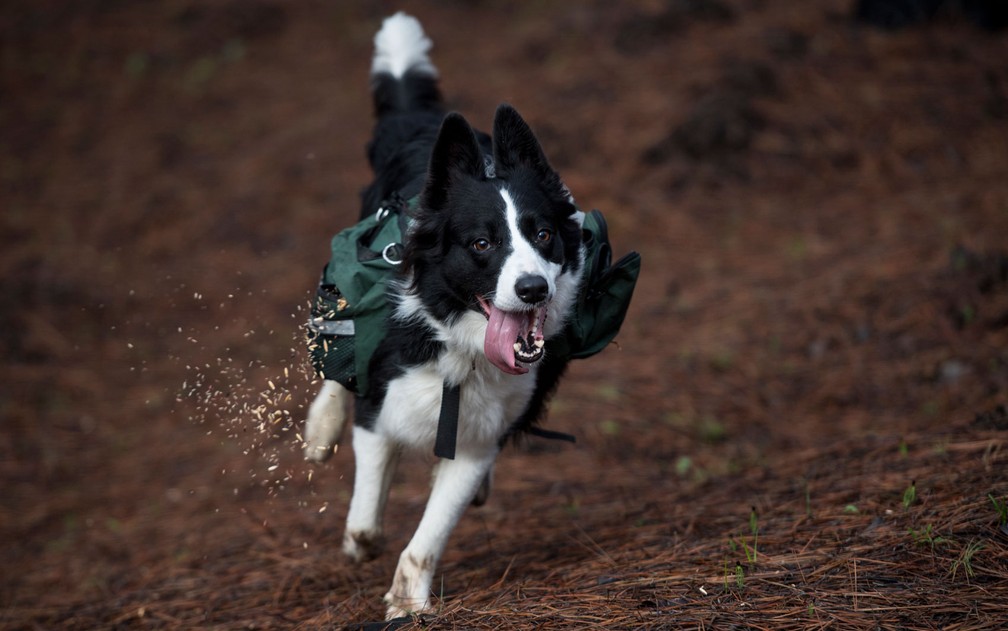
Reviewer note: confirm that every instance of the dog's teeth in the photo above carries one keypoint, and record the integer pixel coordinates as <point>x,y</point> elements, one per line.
<point>517,347</point>
<point>539,343</point>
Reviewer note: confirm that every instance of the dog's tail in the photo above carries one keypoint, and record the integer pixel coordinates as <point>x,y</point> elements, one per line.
<point>403,79</point>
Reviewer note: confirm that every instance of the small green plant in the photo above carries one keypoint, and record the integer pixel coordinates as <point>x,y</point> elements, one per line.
<point>608,393</point>
<point>711,430</point>
<point>910,494</point>
<point>1001,506</point>
<point>609,427</point>
<point>754,529</point>
<point>966,314</point>
<point>683,465</point>
<point>573,507</point>
<point>797,248</point>
<point>722,361</point>
<point>927,537</point>
<point>965,560</point>
<point>750,553</point>
<point>904,449</point>
<point>738,574</point>
<point>136,65</point>
<point>851,509</point>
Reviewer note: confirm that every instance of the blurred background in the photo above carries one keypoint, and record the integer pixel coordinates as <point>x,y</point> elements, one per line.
<point>818,191</point>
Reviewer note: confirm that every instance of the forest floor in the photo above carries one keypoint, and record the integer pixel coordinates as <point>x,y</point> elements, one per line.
<point>803,423</point>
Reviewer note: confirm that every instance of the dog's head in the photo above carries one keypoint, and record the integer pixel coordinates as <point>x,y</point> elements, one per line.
<point>495,246</point>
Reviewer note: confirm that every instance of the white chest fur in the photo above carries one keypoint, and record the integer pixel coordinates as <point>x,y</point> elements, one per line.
<point>490,402</point>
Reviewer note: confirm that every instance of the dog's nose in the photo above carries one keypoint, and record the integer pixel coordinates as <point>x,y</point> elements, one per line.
<point>532,288</point>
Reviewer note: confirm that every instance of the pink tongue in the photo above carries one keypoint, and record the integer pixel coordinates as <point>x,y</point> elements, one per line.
<point>501,334</point>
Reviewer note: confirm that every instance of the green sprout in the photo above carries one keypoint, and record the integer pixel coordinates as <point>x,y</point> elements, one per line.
<point>910,494</point>
<point>754,529</point>
<point>1001,506</point>
<point>926,537</point>
<point>965,560</point>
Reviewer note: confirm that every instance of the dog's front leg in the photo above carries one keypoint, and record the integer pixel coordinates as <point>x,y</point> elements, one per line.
<point>376,457</point>
<point>455,485</point>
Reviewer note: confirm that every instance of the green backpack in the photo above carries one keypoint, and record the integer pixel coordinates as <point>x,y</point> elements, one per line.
<point>352,303</point>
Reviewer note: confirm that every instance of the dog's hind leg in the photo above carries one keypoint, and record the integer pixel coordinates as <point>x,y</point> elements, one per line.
<point>326,418</point>
<point>376,458</point>
<point>455,484</point>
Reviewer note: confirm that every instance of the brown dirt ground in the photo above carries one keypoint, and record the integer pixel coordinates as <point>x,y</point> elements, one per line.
<point>822,320</point>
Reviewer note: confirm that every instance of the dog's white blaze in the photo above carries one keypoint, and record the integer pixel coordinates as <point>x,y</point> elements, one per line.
<point>523,260</point>
<point>401,45</point>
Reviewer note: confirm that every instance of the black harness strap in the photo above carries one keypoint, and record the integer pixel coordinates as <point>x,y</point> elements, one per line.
<point>550,434</point>
<point>447,427</point>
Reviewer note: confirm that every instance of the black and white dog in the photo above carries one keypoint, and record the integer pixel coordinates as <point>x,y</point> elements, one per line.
<point>492,265</point>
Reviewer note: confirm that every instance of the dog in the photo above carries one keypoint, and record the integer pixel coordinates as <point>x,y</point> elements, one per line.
<point>492,262</point>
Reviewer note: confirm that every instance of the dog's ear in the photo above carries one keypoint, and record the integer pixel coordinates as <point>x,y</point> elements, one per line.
<point>514,145</point>
<point>456,154</point>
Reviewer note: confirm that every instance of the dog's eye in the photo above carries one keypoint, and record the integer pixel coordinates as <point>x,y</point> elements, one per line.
<point>544,235</point>
<point>481,245</point>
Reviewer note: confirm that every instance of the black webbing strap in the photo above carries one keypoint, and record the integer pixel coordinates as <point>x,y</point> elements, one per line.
<point>447,427</point>
<point>551,435</point>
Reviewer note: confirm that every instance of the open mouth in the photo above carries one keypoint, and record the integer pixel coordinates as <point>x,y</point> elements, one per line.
<point>513,337</point>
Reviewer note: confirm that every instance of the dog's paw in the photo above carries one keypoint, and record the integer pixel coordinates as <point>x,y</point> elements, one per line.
<point>326,418</point>
<point>318,451</point>
<point>410,591</point>
<point>399,609</point>
<point>362,546</point>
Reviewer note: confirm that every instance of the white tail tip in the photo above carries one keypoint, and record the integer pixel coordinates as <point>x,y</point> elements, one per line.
<point>401,45</point>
